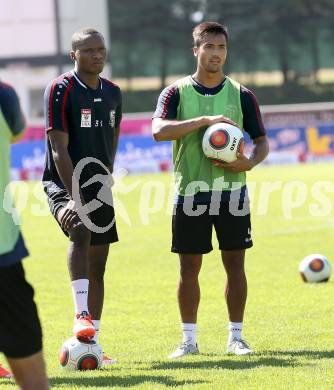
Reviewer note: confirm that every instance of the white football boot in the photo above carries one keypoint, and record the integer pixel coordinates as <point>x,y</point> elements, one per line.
<point>239,347</point>
<point>183,350</point>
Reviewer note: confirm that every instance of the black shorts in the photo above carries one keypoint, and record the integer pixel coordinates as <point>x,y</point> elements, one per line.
<point>101,217</point>
<point>20,329</point>
<point>193,233</point>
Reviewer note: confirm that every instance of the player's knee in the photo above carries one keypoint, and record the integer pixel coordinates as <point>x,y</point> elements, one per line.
<point>189,269</point>
<point>80,235</point>
<point>236,271</point>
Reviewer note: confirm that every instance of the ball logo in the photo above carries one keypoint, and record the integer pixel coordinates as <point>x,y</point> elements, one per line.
<point>316,265</point>
<point>234,142</point>
<point>88,362</point>
<point>219,139</point>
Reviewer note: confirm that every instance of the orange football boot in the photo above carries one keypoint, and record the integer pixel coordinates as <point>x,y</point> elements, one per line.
<point>83,327</point>
<point>5,373</point>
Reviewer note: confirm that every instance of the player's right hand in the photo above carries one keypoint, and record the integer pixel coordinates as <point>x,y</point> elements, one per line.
<point>67,216</point>
<point>211,120</point>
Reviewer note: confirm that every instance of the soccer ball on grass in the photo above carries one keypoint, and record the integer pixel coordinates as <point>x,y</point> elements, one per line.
<point>315,268</point>
<point>80,355</point>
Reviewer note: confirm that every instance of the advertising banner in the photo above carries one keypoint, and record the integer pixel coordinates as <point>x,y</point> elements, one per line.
<point>297,133</point>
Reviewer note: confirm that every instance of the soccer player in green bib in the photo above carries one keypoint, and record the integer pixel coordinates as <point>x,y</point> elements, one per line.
<point>209,194</point>
<point>20,328</point>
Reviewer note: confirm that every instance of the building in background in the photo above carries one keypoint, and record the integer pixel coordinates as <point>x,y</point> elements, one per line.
<point>34,47</point>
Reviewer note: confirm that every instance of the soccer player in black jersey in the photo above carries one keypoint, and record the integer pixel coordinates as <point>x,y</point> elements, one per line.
<point>184,110</point>
<point>83,114</point>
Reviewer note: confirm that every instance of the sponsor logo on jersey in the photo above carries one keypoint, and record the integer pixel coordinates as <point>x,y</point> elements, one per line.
<point>86,117</point>
<point>112,116</point>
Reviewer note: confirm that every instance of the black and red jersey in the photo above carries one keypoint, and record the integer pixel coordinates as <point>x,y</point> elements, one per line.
<point>89,117</point>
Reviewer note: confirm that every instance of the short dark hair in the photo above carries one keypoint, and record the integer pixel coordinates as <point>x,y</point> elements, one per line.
<point>79,36</point>
<point>205,28</point>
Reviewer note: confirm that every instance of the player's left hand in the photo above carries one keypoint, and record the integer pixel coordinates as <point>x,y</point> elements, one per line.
<point>241,164</point>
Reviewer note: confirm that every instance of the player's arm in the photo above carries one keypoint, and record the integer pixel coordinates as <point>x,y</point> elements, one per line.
<point>56,109</point>
<point>118,118</point>
<point>260,150</point>
<point>11,108</point>
<point>242,163</point>
<point>59,144</point>
<point>55,104</point>
<point>168,130</point>
<point>165,127</point>
<point>115,143</point>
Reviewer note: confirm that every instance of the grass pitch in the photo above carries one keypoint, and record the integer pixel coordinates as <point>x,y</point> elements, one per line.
<point>288,323</point>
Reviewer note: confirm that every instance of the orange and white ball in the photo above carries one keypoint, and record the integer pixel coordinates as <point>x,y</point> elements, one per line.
<point>79,355</point>
<point>315,268</point>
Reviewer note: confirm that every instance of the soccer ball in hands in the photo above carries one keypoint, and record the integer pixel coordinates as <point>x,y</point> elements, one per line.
<point>80,355</point>
<point>223,141</point>
<point>315,268</point>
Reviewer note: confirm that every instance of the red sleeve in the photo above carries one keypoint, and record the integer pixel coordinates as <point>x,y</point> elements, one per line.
<point>56,104</point>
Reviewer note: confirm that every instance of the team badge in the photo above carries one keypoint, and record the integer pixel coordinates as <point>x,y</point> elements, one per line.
<point>112,115</point>
<point>86,117</point>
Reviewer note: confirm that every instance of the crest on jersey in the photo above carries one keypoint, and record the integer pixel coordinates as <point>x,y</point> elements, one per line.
<point>86,117</point>
<point>112,116</point>
<point>230,111</point>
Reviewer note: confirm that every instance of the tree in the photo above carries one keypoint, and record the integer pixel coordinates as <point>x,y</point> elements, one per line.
<point>315,17</point>
<point>279,31</point>
<point>124,23</point>
<point>243,30</point>
<point>167,26</point>
<point>160,29</point>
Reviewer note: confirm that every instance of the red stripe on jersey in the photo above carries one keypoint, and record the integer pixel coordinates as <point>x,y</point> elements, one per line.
<point>63,119</point>
<point>109,81</point>
<point>166,102</point>
<point>5,85</point>
<point>50,104</point>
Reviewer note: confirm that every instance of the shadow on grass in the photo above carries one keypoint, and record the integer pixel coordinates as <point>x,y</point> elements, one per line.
<point>262,359</point>
<point>301,353</point>
<point>125,381</point>
<point>4,382</point>
<point>242,363</point>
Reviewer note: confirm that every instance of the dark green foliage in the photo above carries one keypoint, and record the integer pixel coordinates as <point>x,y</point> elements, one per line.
<point>153,38</point>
